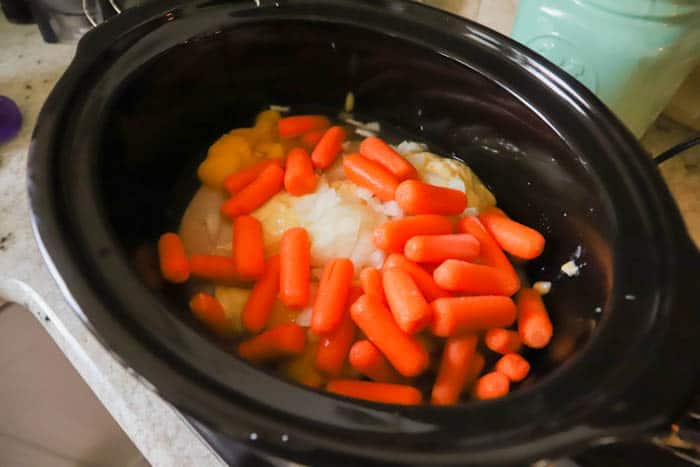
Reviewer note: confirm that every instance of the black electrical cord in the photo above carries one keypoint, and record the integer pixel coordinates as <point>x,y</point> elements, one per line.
<point>677,149</point>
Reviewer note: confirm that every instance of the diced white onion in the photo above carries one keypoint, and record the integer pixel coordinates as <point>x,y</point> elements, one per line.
<point>280,108</point>
<point>570,268</point>
<point>542,287</point>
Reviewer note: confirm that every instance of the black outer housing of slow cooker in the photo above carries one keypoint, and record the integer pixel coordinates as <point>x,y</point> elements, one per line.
<point>636,373</point>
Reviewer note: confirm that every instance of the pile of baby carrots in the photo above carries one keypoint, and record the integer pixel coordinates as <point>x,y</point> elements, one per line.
<point>445,279</point>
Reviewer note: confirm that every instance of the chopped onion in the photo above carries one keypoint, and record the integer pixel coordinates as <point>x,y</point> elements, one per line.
<point>542,287</point>
<point>471,212</point>
<point>365,133</point>
<point>406,147</point>
<point>304,317</point>
<point>570,268</point>
<point>376,258</point>
<point>281,108</point>
<point>392,209</point>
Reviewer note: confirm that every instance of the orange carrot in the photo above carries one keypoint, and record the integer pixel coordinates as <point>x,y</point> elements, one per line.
<point>268,183</point>
<point>534,325</point>
<point>377,392</point>
<point>437,248</point>
<point>375,149</point>
<point>490,253</point>
<point>354,293</point>
<point>290,127</point>
<point>278,342</point>
<point>406,302</point>
<point>332,296</point>
<point>456,315</point>
<point>474,279</point>
<point>208,310</point>
<point>393,235</point>
<point>514,366</point>
<point>174,265</point>
<point>328,147</point>
<point>502,341</point>
<point>241,179</point>
<point>423,279</point>
<point>248,254</point>
<point>262,298</point>
<point>404,352</point>
<point>514,237</point>
<point>475,367</point>
<point>366,358</point>
<point>333,348</point>
<point>456,362</point>
<point>213,268</point>
<point>371,281</point>
<point>299,178</point>
<point>491,386</point>
<point>295,260</point>
<point>311,139</point>
<point>370,175</point>
<point>416,197</point>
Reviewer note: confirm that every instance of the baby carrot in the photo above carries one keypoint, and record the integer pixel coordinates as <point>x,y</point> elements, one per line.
<point>371,282</point>
<point>411,312</point>
<point>376,392</point>
<point>366,358</point>
<point>491,386</point>
<point>328,147</point>
<point>367,174</point>
<point>375,149</point>
<point>423,279</point>
<point>354,293</point>
<point>502,341</point>
<point>299,178</point>
<point>278,342</point>
<point>437,248</point>
<point>241,179</point>
<point>213,268</point>
<point>404,352</point>
<point>333,348</point>
<point>456,315</point>
<point>332,296</point>
<point>311,139</point>
<point>268,183</point>
<point>248,254</point>
<point>174,265</point>
<point>262,298</point>
<point>534,325</point>
<point>393,235</point>
<point>208,310</point>
<point>474,279</point>
<point>515,238</point>
<point>456,361</point>
<point>416,197</point>
<point>295,260</point>
<point>514,366</point>
<point>475,368</point>
<point>490,253</point>
<point>297,125</point>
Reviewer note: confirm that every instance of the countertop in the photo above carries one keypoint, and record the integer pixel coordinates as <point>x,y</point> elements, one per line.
<point>28,70</point>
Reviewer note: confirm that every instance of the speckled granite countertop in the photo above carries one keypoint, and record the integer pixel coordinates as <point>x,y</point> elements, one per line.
<point>28,70</point>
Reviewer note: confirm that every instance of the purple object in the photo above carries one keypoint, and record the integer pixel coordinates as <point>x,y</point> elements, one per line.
<point>10,119</point>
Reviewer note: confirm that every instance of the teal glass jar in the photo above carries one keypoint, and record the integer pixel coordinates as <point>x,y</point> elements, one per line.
<point>633,54</point>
